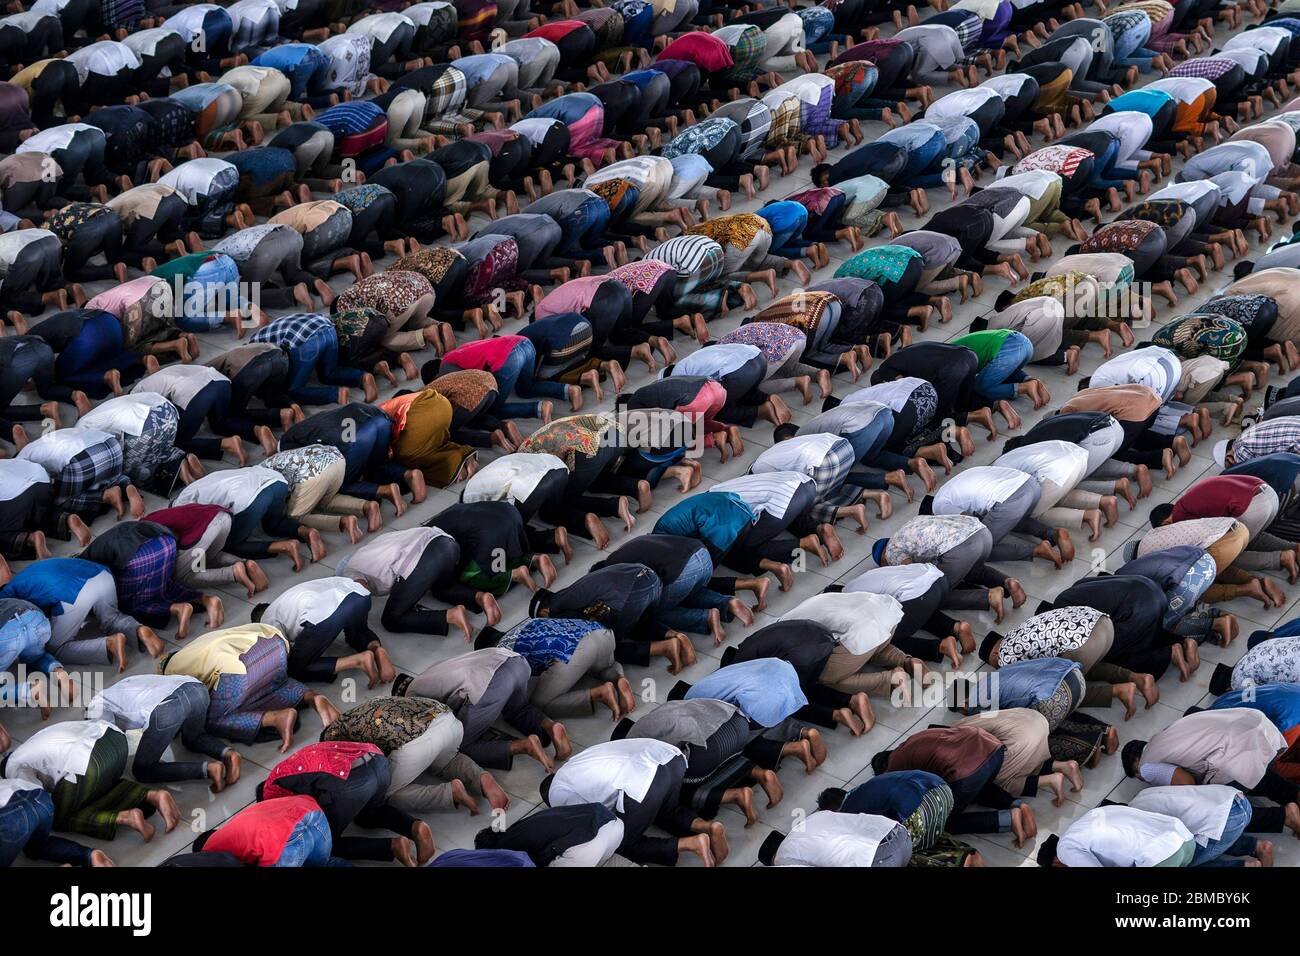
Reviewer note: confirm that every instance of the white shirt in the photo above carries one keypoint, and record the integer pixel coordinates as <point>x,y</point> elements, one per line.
<point>53,450</point>
<point>1008,84</point>
<point>233,488</point>
<point>379,26</point>
<point>902,582</point>
<point>123,415</point>
<point>1061,462</point>
<point>1203,809</point>
<point>422,13</point>
<point>960,103</point>
<point>13,243</point>
<point>189,21</point>
<point>309,603</point>
<point>715,361</point>
<point>832,839</point>
<point>8,788</point>
<point>1121,836</point>
<point>131,701</point>
<point>107,58</point>
<point>179,383</point>
<point>769,493</point>
<point>1157,368</point>
<point>1033,183</point>
<point>382,560</point>
<point>894,394</point>
<point>511,477</point>
<point>17,475</point>
<point>145,42</point>
<point>803,454</point>
<point>192,178</point>
<point>1261,38</point>
<point>535,128</point>
<point>349,56</point>
<point>1132,127</point>
<point>1185,89</point>
<point>1187,192</point>
<point>57,752</point>
<point>977,490</point>
<point>861,621</point>
<point>56,137</point>
<point>609,772</point>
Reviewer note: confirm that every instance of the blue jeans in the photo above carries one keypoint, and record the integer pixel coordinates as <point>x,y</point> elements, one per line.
<point>687,600</point>
<point>319,355</point>
<point>96,349</point>
<point>25,823</point>
<point>517,375</point>
<point>999,378</point>
<point>309,844</point>
<point>366,457</point>
<point>869,447</point>
<point>23,640</point>
<point>1233,842</point>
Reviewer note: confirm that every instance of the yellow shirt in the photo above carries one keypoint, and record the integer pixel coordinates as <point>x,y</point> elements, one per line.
<point>217,652</point>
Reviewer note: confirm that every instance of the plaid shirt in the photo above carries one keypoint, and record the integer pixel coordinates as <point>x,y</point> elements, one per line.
<point>294,331</point>
<point>1268,438</point>
<point>1205,67</point>
<point>80,485</point>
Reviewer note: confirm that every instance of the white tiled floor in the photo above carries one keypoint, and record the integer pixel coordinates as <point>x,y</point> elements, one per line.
<point>849,757</point>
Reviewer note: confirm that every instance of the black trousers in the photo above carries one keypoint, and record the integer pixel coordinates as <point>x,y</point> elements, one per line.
<point>307,660</point>
<point>661,806</point>
<point>403,611</point>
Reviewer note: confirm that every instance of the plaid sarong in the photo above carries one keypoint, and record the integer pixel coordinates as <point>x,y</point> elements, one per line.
<point>90,802</point>
<point>146,587</point>
<point>239,700</point>
<point>832,491</point>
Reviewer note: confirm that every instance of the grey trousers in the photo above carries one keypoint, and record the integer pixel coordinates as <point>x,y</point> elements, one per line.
<point>435,750</point>
<point>554,690</point>
<point>1003,519</point>
<point>98,597</point>
<point>957,562</point>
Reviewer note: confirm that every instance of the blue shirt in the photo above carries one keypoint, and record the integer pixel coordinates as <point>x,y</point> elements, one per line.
<point>1026,683</point>
<point>765,689</point>
<point>715,517</point>
<point>1278,470</point>
<point>895,795</point>
<point>1280,703</point>
<point>50,583</point>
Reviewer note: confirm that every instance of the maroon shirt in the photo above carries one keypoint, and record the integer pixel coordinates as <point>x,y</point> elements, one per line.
<point>187,522</point>
<point>953,753</point>
<point>1223,496</point>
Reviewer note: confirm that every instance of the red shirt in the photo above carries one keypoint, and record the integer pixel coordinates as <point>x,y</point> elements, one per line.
<point>488,354</point>
<point>187,522</point>
<point>556,30</point>
<point>334,757</point>
<point>1223,496</point>
<point>256,835</point>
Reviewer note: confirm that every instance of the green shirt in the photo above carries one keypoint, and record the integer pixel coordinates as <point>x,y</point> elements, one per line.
<point>984,344</point>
